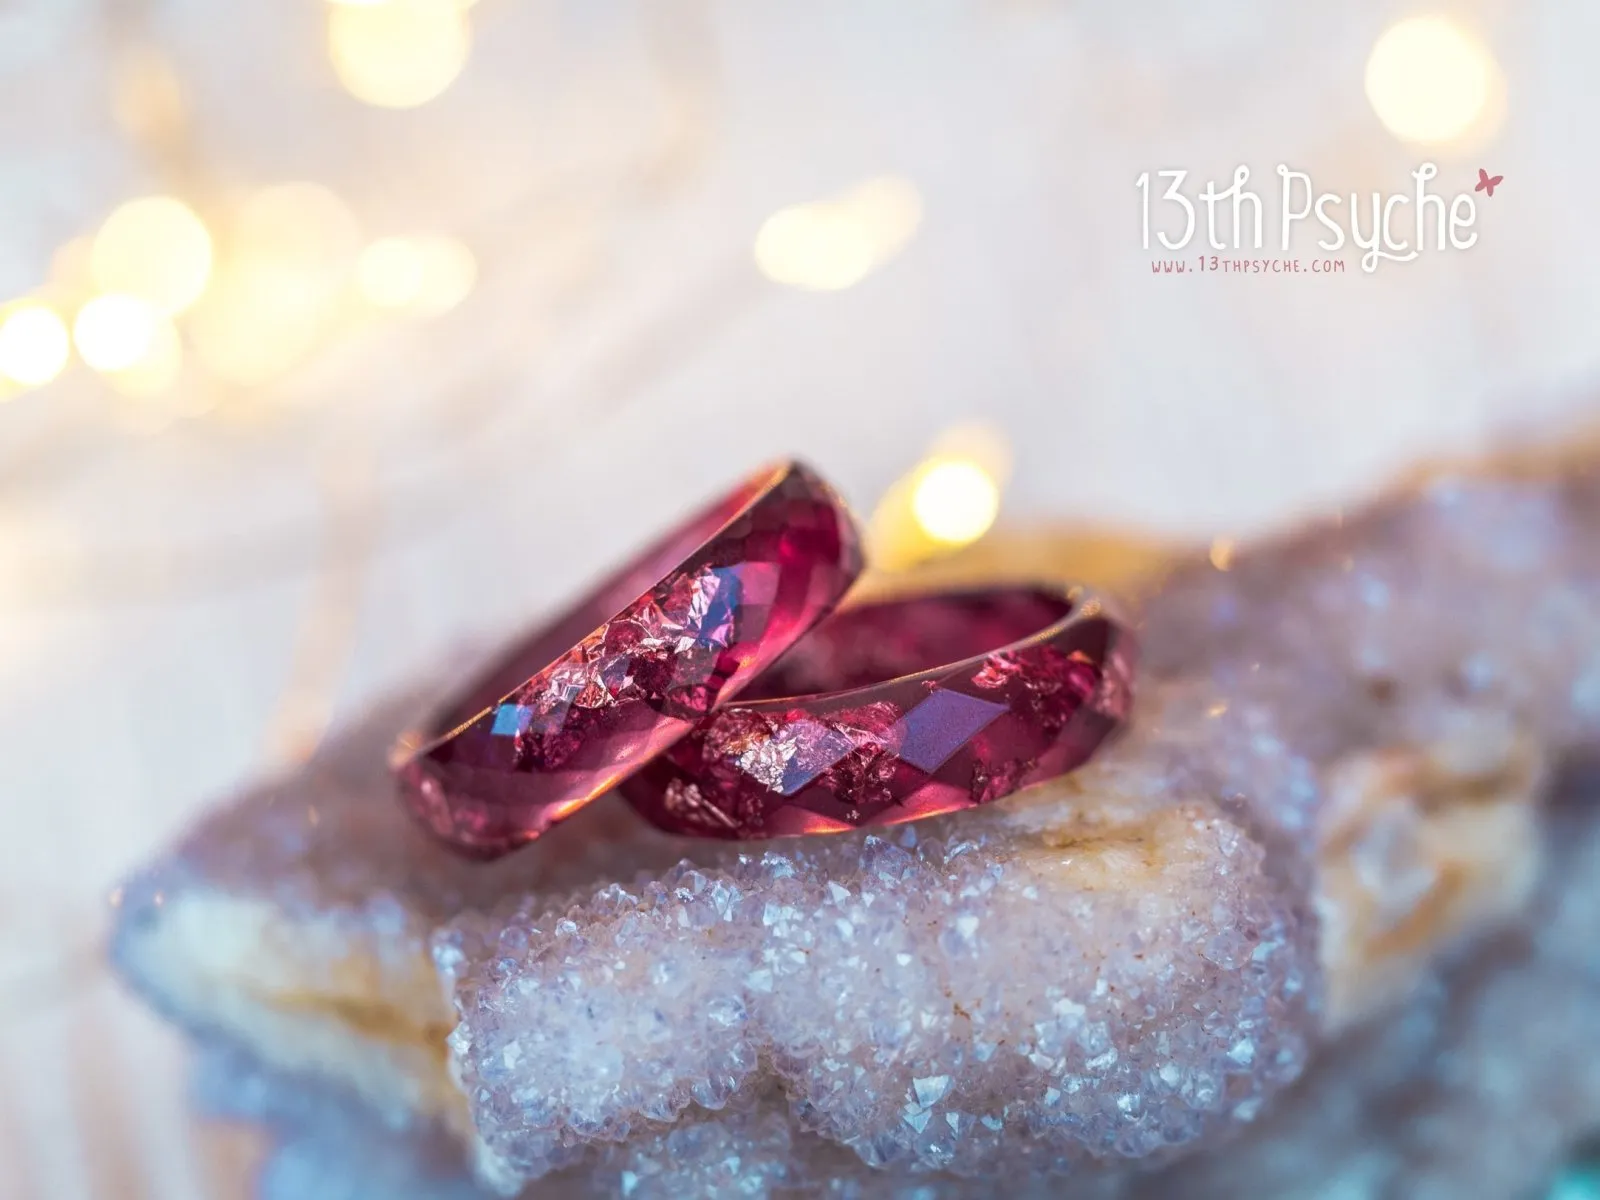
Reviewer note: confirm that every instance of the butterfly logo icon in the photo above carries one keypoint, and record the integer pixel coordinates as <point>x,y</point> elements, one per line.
<point>1487,182</point>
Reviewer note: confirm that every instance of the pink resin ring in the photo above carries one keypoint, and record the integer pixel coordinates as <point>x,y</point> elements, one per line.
<point>580,705</point>
<point>900,710</point>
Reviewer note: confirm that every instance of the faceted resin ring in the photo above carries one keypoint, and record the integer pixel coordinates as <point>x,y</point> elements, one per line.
<point>578,706</point>
<point>900,710</point>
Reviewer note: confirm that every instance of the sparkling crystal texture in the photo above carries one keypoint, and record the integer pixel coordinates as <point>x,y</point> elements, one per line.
<point>576,708</point>
<point>1481,1083</point>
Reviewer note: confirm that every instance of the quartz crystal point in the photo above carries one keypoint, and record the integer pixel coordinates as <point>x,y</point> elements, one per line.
<point>1329,788</point>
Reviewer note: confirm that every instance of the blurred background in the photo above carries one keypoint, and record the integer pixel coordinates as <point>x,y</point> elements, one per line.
<point>333,335</point>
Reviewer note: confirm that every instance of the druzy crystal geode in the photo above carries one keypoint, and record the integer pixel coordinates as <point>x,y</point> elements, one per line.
<point>1314,900</point>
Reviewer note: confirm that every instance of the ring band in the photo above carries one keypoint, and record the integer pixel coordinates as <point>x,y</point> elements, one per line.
<point>859,725</point>
<point>571,710</point>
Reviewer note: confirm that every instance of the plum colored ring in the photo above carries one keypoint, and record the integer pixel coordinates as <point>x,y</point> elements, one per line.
<point>889,729</point>
<point>574,708</point>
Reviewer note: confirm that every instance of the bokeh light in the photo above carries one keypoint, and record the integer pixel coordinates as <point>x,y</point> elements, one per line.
<point>401,53</point>
<point>1430,81</point>
<point>72,268</point>
<point>302,230</point>
<point>156,370</point>
<point>155,247</point>
<point>34,346</point>
<point>975,442</point>
<point>425,274</point>
<point>281,285</point>
<point>390,272</point>
<point>114,332</point>
<point>449,272</point>
<point>257,321</point>
<point>955,501</point>
<point>948,500</point>
<point>832,244</point>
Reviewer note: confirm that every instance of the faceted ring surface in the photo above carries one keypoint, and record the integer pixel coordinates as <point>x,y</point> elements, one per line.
<point>900,710</point>
<point>574,708</point>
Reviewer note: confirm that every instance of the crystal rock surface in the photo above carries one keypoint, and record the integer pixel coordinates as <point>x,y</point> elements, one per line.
<point>1470,1087</point>
<point>1323,830</point>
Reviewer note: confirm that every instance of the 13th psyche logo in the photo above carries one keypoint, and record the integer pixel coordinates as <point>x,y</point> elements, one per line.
<point>1236,219</point>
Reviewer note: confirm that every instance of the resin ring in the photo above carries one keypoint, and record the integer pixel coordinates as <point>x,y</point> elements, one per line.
<point>900,710</point>
<point>575,708</point>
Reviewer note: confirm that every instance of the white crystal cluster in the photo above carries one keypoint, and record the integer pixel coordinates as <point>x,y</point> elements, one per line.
<point>1003,1003</point>
<point>1481,1084</point>
<point>1327,803</point>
